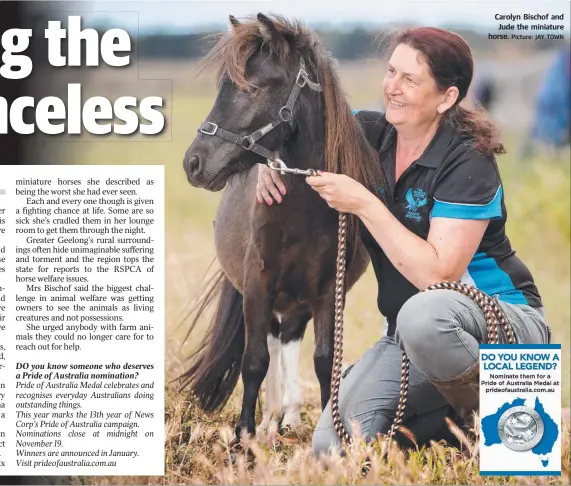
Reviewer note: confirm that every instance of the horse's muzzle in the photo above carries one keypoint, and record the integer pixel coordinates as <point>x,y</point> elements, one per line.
<point>192,166</point>
<point>198,177</point>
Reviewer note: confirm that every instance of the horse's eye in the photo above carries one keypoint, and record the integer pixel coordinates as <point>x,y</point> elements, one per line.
<point>240,95</point>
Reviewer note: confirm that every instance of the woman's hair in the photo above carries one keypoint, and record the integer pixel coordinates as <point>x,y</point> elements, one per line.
<point>450,61</point>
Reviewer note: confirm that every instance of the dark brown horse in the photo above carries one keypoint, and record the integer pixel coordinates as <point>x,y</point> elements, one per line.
<point>278,95</point>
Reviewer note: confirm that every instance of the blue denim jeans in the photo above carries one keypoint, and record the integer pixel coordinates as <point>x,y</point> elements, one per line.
<point>440,331</point>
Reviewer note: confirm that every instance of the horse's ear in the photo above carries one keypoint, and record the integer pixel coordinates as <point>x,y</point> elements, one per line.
<point>267,28</point>
<point>232,22</point>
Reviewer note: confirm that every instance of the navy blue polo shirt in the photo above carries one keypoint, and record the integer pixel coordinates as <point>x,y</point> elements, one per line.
<point>450,180</point>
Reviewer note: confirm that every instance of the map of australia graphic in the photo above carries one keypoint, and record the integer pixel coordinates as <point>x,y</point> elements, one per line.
<point>550,432</point>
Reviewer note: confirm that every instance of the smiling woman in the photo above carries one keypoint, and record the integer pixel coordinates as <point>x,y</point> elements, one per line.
<point>442,219</point>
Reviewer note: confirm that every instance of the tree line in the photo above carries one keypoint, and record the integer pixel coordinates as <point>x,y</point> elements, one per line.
<point>357,43</point>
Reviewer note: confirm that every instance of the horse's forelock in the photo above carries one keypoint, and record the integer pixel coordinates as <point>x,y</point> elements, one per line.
<point>233,50</point>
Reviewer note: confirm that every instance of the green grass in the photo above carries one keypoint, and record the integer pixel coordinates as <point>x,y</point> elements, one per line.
<point>537,197</point>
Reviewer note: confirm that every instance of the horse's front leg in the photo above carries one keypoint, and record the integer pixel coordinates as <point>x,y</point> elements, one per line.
<point>324,327</point>
<point>273,402</point>
<point>256,359</point>
<point>293,330</point>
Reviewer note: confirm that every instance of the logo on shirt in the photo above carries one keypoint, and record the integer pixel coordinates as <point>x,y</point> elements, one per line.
<point>416,199</point>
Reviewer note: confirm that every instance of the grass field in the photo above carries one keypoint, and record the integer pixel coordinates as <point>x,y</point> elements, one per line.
<point>537,196</point>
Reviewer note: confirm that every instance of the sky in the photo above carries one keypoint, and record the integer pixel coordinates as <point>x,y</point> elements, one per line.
<point>193,15</point>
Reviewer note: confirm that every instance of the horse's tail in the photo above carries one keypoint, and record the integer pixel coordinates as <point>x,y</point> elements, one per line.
<point>216,363</point>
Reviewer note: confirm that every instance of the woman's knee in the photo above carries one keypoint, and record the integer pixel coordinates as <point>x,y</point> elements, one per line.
<point>424,316</point>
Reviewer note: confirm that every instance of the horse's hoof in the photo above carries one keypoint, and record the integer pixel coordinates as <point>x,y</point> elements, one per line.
<point>250,458</point>
<point>233,458</point>
<point>291,419</point>
<point>235,445</point>
<point>237,449</point>
<point>284,429</point>
<point>287,434</point>
<point>268,425</point>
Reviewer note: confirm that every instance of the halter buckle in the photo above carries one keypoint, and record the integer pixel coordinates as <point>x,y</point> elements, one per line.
<point>288,114</point>
<point>212,131</point>
<point>247,142</point>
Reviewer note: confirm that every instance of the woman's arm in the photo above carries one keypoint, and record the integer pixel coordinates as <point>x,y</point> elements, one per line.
<point>445,255</point>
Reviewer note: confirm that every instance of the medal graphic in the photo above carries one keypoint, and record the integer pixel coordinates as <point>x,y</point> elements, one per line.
<point>520,428</point>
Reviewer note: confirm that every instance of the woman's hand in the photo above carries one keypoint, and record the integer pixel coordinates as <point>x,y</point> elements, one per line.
<point>269,184</point>
<point>342,193</point>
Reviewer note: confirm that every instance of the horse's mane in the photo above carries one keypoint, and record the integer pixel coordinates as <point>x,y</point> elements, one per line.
<point>346,148</point>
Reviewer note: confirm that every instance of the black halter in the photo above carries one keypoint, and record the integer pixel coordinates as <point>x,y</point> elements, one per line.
<point>285,114</point>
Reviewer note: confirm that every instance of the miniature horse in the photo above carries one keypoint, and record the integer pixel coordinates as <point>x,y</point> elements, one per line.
<point>277,85</point>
